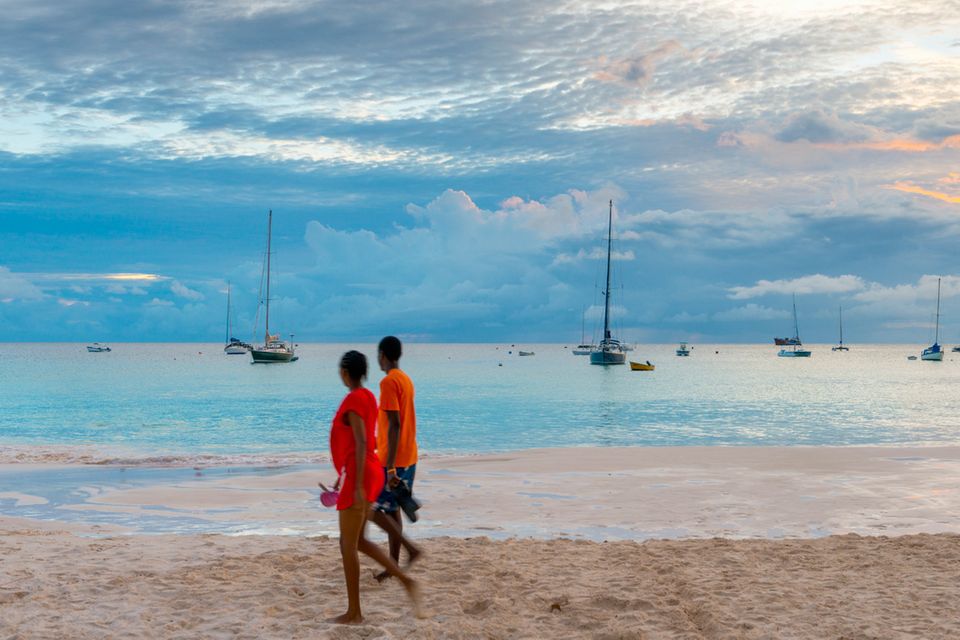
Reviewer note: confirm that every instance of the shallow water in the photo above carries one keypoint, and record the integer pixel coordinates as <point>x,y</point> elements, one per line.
<point>182,402</point>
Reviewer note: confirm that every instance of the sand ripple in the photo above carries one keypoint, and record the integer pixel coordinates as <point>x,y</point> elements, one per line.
<point>56,585</point>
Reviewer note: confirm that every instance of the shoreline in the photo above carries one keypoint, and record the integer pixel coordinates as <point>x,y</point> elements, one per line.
<point>687,543</point>
<point>591,493</point>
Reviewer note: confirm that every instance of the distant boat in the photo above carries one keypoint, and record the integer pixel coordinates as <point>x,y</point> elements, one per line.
<point>934,352</point>
<point>96,347</point>
<point>641,366</point>
<point>274,349</point>
<point>840,346</point>
<point>233,347</point>
<point>786,342</point>
<point>796,352</point>
<point>682,350</point>
<point>955,349</point>
<point>911,357</point>
<point>525,353</point>
<point>583,349</point>
<point>609,351</point>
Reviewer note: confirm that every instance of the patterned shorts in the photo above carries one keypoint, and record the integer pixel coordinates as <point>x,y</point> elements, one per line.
<point>387,502</point>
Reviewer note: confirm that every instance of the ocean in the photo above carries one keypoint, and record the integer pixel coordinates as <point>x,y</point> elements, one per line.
<point>184,403</point>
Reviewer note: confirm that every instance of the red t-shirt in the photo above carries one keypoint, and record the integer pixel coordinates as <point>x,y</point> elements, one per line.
<point>343,447</point>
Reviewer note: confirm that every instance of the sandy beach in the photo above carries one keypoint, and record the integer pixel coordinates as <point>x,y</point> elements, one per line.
<point>579,543</point>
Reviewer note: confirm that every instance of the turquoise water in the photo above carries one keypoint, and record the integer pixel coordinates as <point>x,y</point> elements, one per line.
<point>184,401</point>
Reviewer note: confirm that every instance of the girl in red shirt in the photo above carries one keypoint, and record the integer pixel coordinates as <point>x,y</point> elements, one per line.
<point>353,449</point>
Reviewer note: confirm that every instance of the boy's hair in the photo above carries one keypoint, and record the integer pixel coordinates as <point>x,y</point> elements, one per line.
<point>391,348</point>
<point>355,364</point>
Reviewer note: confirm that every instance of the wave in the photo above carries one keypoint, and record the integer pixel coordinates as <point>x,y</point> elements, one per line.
<point>89,455</point>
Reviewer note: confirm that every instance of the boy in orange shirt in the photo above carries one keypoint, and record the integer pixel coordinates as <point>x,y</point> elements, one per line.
<point>396,446</point>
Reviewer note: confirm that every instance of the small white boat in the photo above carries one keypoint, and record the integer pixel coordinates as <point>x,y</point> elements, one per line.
<point>525,353</point>
<point>234,347</point>
<point>583,349</point>
<point>682,350</point>
<point>96,347</point>
<point>796,352</point>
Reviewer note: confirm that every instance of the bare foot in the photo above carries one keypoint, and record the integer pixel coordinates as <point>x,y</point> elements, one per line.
<point>347,618</point>
<point>414,555</point>
<point>416,598</point>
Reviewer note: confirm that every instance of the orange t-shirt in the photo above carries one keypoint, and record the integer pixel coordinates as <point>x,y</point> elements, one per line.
<point>396,394</point>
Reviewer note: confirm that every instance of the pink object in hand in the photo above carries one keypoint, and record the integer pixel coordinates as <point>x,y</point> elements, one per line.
<point>329,498</point>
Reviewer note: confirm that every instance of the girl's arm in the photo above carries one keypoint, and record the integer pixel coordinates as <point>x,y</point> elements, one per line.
<point>360,443</point>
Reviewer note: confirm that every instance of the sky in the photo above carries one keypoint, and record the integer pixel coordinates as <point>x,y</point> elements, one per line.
<point>442,170</point>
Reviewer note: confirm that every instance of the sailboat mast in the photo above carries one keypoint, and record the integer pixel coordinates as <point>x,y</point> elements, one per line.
<point>269,231</point>
<point>841,325</point>
<point>606,292</point>
<point>796,327</point>
<point>583,324</point>
<point>936,338</point>
<point>228,313</point>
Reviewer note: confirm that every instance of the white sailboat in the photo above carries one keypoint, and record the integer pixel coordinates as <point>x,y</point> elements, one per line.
<point>797,351</point>
<point>609,351</point>
<point>583,349</point>
<point>840,347</point>
<point>934,352</point>
<point>232,346</point>
<point>274,349</point>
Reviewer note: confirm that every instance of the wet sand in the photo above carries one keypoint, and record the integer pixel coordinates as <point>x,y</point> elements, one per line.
<point>854,543</point>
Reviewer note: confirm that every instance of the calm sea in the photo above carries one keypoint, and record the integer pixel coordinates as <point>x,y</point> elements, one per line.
<point>187,401</point>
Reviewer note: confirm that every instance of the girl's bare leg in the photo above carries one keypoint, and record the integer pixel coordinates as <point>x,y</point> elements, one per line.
<point>377,554</point>
<point>352,521</point>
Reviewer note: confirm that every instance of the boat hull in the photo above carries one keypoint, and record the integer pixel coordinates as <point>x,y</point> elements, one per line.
<point>236,351</point>
<point>933,353</point>
<point>272,356</point>
<point>799,353</point>
<point>839,349</point>
<point>605,358</point>
<point>641,366</point>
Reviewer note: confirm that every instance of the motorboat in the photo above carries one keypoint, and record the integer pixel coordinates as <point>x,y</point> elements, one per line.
<point>641,366</point>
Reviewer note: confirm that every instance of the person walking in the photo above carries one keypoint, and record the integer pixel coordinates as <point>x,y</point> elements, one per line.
<point>396,447</point>
<point>359,480</point>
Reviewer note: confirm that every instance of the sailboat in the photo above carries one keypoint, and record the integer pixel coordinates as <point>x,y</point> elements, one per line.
<point>609,351</point>
<point>797,351</point>
<point>934,352</point>
<point>274,349</point>
<point>233,347</point>
<point>583,349</point>
<point>840,346</point>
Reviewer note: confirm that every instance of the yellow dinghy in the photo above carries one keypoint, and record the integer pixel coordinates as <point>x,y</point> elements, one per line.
<point>641,366</point>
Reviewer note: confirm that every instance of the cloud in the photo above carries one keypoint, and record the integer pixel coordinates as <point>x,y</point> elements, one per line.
<point>638,70</point>
<point>15,286</point>
<point>816,283</point>
<point>908,187</point>
<point>820,126</point>
<point>183,291</point>
<point>750,312</point>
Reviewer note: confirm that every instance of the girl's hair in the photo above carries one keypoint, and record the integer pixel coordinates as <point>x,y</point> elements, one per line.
<point>356,365</point>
